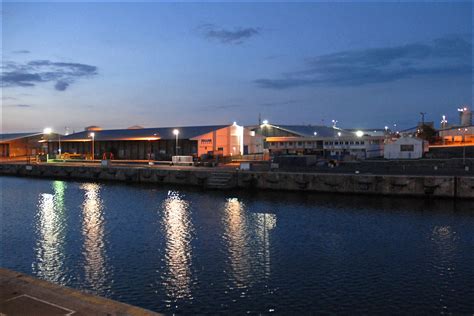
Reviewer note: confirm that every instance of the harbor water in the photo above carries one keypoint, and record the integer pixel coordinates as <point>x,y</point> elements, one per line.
<point>192,251</point>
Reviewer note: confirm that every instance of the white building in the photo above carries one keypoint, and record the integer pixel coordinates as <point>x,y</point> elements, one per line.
<point>405,148</point>
<point>323,141</point>
<point>232,140</point>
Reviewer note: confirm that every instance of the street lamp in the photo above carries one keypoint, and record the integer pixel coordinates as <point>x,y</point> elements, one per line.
<point>92,134</point>
<point>463,133</point>
<point>47,131</point>
<point>176,132</point>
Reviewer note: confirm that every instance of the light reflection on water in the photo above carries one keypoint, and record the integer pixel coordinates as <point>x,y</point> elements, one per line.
<point>247,239</point>
<point>178,230</point>
<point>196,252</point>
<point>235,227</point>
<point>94,249</point>
<point>51,230</point>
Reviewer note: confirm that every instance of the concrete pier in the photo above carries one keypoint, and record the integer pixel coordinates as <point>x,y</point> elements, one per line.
<point>461,187</point>
<point>24,295</point>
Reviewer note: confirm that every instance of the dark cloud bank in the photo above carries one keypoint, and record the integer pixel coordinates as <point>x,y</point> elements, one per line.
<point>224,36</point>
<point>23,51</point>
<point>38,71</point>
<point>449,55</point>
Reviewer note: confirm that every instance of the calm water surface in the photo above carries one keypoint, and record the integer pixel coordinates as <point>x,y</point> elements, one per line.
<point>191,251</point>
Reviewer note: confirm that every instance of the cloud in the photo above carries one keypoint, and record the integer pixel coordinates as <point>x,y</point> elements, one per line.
<point>222,107</point>
<point>23,51</point>
<point>5,98</point>
<point>23,106</point>
<point>280,103</point>
<point>40,71</point>
<point>61,85</point>
<point>236,36</point>
<point>450,55</point>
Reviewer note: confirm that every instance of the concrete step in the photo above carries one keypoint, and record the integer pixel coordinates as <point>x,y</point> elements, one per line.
<point>219,180</point>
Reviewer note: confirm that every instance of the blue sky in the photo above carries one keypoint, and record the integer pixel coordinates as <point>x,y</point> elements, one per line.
<point>168,64</point>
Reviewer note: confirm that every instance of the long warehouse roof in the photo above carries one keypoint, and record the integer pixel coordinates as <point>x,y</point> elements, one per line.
<point>4,138</point>
<point>185,132</point>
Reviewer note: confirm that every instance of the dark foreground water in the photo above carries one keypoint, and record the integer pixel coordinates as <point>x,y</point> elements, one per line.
<point>191,251</point>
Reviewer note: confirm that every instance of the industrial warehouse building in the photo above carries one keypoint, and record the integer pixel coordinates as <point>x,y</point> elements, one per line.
<point>23,144</point>
<point>323,141</point>
<point>161,143</point>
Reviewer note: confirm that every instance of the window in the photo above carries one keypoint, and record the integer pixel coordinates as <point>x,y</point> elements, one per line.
<point>300,143</point>
<point>407,147</point>
<point>362,142</point>
<point>347,143</point>
<point>282,144</point>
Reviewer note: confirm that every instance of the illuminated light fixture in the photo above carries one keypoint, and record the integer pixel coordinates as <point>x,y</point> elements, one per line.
<point>444,120</point>
<point>339,134</point>
<point>92,134</point>
<point>315,133</point>
<point>176,132</point>
<point>334,123</point>
<point>386,128</point>
<point>265,122</point>
<point>47,130</point>
<point>235,124</point>
<point>359,133</point>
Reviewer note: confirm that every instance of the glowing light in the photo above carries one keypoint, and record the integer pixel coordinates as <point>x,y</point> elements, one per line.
<point>339,134</point>
<point>178,229</point>
<point>236,227</point>
<point>52,229</point>
<point>47,130</point>
<point>92,134</point>
<point>444,120</point>
<point>315,133</point>
<point>265,122</point>
<point>359,133</point>
<point>175,132</point>
<point>93,233</point>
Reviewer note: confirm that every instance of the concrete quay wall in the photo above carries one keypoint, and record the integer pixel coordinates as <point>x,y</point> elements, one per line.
<point>398,185</point>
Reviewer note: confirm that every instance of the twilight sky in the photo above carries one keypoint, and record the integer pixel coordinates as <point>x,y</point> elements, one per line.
<point>168,64</point>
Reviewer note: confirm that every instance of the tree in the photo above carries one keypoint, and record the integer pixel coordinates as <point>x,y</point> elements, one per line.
<point>426,132</point>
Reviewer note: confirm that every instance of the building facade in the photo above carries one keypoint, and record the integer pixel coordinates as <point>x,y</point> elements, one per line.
<point>23,144</point>
<point>406,148</point>
<point>159,143</point>
<point>322,141</point>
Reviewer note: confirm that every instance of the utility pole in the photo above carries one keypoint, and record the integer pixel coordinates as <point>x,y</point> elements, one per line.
<point>423,117</point>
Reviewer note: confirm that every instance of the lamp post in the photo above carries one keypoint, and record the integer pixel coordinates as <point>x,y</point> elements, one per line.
<point>59,145</point>
<point>93,136</point>
<point>47,131</point>
<point>176,132</point>
<point>463,133</point>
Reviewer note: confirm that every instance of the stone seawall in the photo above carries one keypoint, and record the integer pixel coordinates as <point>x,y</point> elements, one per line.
<point>399,185</point>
